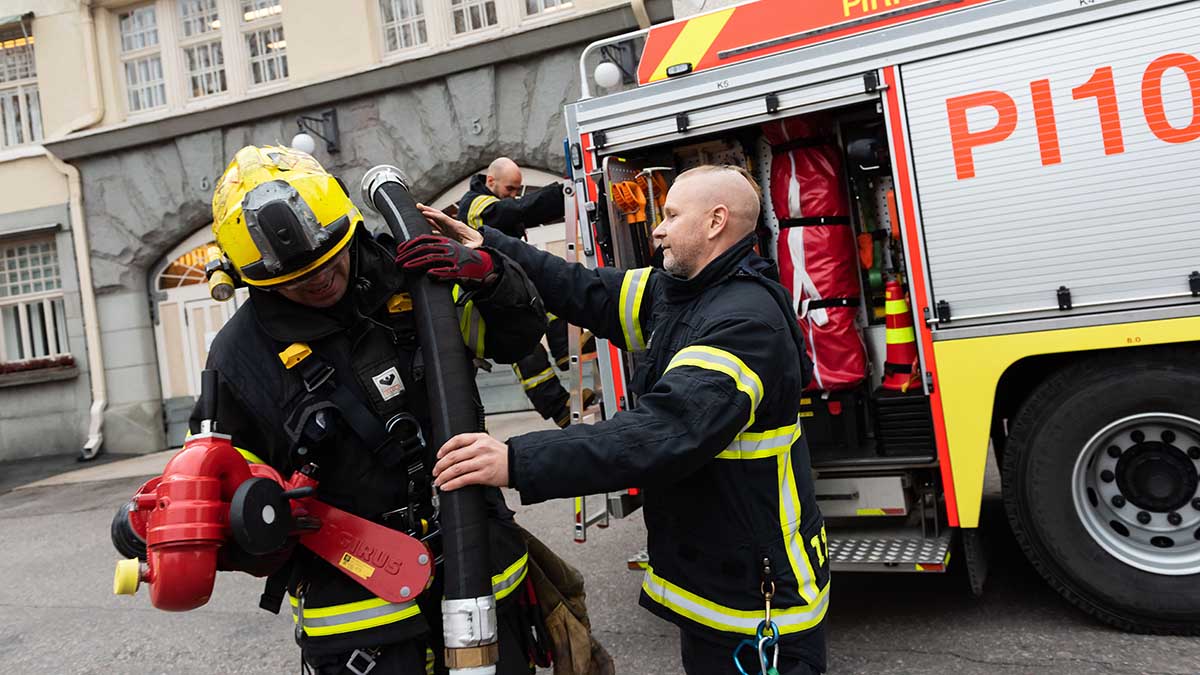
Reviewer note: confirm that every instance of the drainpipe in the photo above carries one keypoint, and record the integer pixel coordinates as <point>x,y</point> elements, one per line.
<point>79,236</point>
<point>640,13</point>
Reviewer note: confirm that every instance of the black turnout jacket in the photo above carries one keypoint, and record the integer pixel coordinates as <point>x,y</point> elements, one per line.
<point>369,339</point>
<point>714,439</point>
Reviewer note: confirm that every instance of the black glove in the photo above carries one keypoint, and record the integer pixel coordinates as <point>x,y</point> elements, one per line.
<point>447,260</point>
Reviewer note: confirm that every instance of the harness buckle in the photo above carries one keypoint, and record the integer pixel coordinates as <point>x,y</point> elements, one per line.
<point>368,659</point>
<point>314,380</point>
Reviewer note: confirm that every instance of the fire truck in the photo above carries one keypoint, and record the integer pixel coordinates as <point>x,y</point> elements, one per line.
<point>986,213</point>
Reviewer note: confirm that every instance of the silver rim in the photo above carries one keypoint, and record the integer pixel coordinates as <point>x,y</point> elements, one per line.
<point>1136,488</point>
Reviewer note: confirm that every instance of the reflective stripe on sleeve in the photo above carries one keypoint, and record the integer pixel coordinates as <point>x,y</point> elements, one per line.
<point>633,289</point>
<point>713,615</point>
<point>475,211</point>
<point>762,444</point>
<point>506,582</point>
<point>471,324</point>
<point>353,616</point>
<point>721,361</point>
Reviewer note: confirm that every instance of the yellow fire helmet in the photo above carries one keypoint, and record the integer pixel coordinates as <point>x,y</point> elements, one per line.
<point>278,215</point>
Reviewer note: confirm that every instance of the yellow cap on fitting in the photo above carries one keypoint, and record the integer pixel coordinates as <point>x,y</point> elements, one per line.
<point>127,577</point>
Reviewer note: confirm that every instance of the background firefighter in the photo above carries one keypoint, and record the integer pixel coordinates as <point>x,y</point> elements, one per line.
<point>494,199</point>
<point>323,365</point>
<point>733,528</point>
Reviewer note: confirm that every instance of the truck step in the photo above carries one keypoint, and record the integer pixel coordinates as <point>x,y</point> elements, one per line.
<point>889,550</point>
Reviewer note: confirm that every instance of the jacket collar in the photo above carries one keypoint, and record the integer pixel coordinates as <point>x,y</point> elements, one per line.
<point>479,184</point>
<point>373,279</point>
<point>717,271</point>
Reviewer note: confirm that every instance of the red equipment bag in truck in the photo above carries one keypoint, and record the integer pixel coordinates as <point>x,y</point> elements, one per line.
<point>816,251</point>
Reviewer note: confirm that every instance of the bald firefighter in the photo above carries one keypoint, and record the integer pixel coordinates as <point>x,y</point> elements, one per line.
<point>494,199</point>
<point>734,533</point>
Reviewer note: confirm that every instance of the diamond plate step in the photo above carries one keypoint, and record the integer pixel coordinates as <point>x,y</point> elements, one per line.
<point>889,550</point>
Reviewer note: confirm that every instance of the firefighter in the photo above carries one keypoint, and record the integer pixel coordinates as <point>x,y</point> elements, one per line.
<point>492,200</point>
<point>714,440</point>
<point>322,365</point>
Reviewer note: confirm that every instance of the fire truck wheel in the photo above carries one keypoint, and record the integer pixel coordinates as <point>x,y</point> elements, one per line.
<point>1102,487</point>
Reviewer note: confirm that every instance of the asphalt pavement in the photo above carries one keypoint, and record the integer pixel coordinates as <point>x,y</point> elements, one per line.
<point>58,614</point>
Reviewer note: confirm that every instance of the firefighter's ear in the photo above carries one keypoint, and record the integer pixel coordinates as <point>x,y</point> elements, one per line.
<point>718,219</point>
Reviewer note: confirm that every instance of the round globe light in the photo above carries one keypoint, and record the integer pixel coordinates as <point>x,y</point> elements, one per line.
<point>607,74</point>
<point>304,143</point>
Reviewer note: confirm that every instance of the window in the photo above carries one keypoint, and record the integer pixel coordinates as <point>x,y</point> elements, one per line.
<point>472,15</point>
<point>539,6</point>
<point>141,58</point>
<point>20,108</point>
<point>203,55</point>
<point>32,318</point>
<point>262,30</point>
<point>403,24</point>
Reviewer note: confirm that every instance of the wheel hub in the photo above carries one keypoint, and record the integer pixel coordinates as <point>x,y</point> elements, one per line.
<point>1136,488</point>
<point>1157,476</point>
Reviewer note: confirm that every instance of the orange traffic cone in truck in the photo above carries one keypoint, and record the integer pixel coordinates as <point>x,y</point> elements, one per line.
<point>900,364</point>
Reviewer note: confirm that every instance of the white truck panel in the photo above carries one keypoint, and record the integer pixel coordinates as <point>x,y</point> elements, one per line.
<point>1112,228</point>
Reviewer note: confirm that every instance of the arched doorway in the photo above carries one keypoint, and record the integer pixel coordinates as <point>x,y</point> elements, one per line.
<point>186,320</point>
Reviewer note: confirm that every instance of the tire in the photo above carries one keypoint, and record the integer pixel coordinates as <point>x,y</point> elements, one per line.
<point>1075,474</point>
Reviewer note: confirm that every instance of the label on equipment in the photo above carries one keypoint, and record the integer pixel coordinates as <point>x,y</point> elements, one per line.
<point>356,566</point>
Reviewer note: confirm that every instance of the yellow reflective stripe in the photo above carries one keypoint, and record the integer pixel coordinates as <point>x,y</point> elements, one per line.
<point>544,376</point>
<point>897,336</point>
<point>745,622</point>
<point>470,324</point>
<point>896,307</point>
<point>762,444</point>
<point>506,582</point>
<point>692,42</point>
<point>633,289</point>
<point>250,456</point>
<point>790,513</point>
<point>428,661</point>
<point>721,361</point>
<point>475,211</point>
<point>353,616</point>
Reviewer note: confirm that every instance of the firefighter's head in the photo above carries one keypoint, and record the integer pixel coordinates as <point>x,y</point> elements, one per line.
<point>504,178</point>
<point>285,224</point>
<point>708,209</point>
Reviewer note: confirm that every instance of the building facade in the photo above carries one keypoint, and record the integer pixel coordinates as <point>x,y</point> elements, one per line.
<point>120,116</point>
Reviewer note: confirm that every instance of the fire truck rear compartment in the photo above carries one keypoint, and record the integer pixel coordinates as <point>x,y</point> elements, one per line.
<point>872,450</point>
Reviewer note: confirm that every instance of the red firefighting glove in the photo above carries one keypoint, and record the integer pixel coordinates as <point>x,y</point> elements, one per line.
<point>447,260</point>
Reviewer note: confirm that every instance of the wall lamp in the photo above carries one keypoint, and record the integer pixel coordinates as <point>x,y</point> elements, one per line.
<point>324,127</point>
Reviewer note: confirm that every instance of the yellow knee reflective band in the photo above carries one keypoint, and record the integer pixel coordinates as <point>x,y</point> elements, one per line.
<point>351,617</point>
<point>721,361</point>
<point>899,336</point>
<point>506,582</point>
<point>745,622</point>
<point>762,444</point>
<point>633,289</point>
<point>544,376</point>
<point>475,210</point>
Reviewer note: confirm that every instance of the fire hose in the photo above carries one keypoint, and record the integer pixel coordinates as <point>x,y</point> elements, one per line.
<point>468,605</point>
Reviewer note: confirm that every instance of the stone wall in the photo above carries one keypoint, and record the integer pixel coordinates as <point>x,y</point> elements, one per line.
<point>142,202</point>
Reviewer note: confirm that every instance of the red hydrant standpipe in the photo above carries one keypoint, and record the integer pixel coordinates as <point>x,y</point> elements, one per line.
<point>209,496</point>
